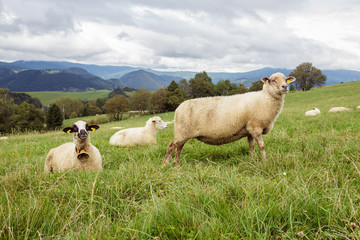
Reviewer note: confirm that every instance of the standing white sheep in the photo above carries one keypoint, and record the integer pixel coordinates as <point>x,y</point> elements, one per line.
<point>78,155</point>
<point>220,120</point>
<point>313,112</point>
<point>140,135</point>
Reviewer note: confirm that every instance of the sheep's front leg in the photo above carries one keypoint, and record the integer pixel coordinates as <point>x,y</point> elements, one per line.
<point>168,153</point>
<point>177,155</point>
<point>251,145</point>
<point>261,145</point>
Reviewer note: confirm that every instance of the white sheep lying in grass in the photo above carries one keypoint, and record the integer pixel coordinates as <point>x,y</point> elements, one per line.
<point>140,135</point>
<point>220,120</point>
<point>78,155</point>
<point>313,112</point>
<point>340,109</point>
<point>358,107</point>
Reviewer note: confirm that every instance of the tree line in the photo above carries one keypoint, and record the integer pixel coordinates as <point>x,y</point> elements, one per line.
<point>20,112</point>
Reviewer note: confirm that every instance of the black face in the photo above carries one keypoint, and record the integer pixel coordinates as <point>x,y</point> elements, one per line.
<point>81,132</point>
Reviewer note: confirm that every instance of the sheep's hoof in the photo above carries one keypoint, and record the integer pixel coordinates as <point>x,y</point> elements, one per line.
<point>83,157</point>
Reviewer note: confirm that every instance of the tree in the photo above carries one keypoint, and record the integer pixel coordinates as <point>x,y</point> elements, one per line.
<point>19,98</point>
<point>140,99</point>
<point>116,107</point>
<point>307,76</point>
<point>225,88</point>
<point>242,89</point>
<point>256,86</point>
<point>176,96</point>
<point>159,99</point>
<point>28,117</point>
<point>7,112</point>
<point>54,118</point>
<point>201,85</point>
<point>100,102</point>
<point>184,85</point>
<point>117,91</point>
<point>69,106</point>
<point>93,110</point>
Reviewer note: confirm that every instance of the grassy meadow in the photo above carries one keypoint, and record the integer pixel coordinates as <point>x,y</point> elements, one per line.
<point>46,98</point>
<point>307,188</point>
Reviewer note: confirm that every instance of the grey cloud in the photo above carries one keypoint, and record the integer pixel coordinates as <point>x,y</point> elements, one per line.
<point>207,32</point>
<point>51,21</point>
<point>123,35</point>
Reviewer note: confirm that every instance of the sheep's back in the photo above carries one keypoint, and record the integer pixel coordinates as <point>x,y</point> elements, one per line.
<point>214,116</point>
<point>63,156</point>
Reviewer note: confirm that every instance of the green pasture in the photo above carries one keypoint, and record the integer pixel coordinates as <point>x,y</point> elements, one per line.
<point>308,187</point>
<point>46,98</point>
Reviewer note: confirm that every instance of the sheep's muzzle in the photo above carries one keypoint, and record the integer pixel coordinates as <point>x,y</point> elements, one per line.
<point>82,134</point>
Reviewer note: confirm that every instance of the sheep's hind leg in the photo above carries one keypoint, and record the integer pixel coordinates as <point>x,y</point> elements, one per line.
<point>169,152</point>
<point>261,145</point>
<point>251,145</point>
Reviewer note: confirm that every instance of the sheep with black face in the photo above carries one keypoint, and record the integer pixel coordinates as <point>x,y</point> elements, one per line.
<point>77,155</point>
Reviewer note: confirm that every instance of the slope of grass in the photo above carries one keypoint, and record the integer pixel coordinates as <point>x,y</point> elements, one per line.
<point>46,98</point>
<point>307,188</point>
<point>324,98</point>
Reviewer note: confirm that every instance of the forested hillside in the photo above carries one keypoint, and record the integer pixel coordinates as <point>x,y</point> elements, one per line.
<point>51,80</point>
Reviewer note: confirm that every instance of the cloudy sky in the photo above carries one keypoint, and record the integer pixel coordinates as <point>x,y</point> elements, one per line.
<point>233,35</point>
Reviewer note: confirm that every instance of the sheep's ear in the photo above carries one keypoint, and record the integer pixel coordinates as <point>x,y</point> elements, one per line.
<point>68,130</point>
<point>92,128</point>
<point>264,79</point>
<point>290,79</point>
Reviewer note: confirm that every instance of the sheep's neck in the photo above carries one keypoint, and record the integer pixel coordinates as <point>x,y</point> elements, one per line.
<point>276,103</point>
<point>81,143</point>
<point>81,149</point>
<point>151,128</point>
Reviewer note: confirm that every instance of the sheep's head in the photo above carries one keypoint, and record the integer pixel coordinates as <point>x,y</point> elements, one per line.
<point>158,123</point>
<point>277,83</point>
<point>81,130</point>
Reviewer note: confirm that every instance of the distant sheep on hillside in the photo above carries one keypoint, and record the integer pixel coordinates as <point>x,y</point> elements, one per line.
<point>220,120</point>
<point>313,112</point>
<point>340,109</point>
<point>78,155</point>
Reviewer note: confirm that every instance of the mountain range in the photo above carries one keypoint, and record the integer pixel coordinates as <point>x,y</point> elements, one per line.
<point>68,76</point>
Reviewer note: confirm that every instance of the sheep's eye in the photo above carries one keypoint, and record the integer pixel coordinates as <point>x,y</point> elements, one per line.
<point>75,128</point>
<point>273,80</point>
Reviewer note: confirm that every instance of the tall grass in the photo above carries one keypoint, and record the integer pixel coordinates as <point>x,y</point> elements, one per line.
<point>307,188</point>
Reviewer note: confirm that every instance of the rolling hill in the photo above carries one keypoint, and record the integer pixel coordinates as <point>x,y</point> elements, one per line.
<point>143,79</point>
<point>101,71</point>
<point>68,76</point>
<point>72,79</point>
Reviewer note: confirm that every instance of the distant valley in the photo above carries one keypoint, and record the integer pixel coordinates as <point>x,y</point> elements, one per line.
<point>66,76</point>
